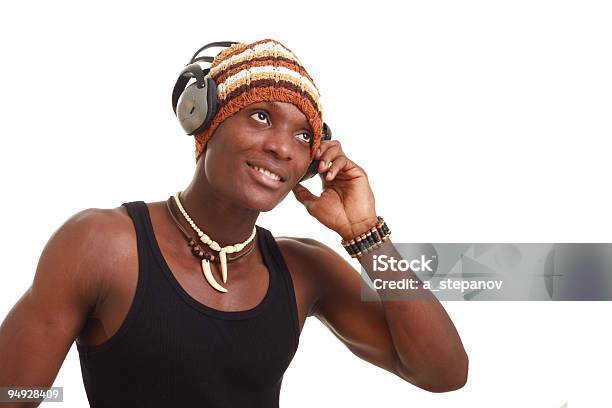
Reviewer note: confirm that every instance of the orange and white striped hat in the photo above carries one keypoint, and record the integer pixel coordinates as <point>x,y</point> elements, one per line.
<point>264,70</point>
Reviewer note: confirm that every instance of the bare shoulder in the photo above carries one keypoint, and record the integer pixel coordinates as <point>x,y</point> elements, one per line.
<point>109,236</point>
<point>98,231</point>
<point>321,266</point>
<point>310,251</point>
<point>87,247</point>
<point>307,249</point>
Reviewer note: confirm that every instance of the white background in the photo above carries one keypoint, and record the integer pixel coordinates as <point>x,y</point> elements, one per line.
<point>477,121</point>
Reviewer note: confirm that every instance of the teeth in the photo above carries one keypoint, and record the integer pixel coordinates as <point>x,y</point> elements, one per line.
<point>268,173</point>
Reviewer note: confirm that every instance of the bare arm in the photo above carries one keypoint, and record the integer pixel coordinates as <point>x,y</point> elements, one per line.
<point>39,330</point>
<point>414,339</point>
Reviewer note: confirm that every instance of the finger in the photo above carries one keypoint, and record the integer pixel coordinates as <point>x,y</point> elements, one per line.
<point>324,166</point>
<point>303,195</point>
<point>337,165</point>
<point>329,155</point>
<point>325,146</point>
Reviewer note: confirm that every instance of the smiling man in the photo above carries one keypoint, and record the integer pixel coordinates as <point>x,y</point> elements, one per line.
<point>187,302</point>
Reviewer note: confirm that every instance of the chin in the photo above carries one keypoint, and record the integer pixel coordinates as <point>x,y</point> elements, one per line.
<point>262,201</point>
<point>262,206</point>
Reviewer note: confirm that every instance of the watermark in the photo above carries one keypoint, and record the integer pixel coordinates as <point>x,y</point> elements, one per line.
<point>383,263</point>
<point>31,394</point>
<point>491,271</point>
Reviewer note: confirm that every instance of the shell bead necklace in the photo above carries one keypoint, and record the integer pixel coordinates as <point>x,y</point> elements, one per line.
<point>228,249</point>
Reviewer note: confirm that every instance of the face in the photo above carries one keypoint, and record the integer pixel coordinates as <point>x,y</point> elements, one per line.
<point>259,154</point>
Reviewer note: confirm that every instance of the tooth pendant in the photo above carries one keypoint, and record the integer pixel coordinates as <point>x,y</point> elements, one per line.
<point>209,276</point>
<point>223,259</point>
<point>214,245</point>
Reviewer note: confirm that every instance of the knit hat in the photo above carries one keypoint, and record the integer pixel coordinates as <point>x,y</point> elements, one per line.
<point>264,70</point>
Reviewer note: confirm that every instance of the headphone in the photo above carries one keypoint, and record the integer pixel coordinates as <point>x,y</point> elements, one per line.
<point>196,105</point>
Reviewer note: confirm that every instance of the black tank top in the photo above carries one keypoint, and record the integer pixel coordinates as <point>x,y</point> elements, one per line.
<point>173,351</point>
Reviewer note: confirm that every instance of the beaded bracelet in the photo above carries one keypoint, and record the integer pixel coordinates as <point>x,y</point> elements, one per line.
<point>367,241</point>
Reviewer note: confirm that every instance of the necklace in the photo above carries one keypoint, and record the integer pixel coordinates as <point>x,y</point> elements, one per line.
<point>196,249</point>
<point>229,249</point>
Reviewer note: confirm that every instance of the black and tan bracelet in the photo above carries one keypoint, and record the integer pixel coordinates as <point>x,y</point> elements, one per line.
<point>368,240</point>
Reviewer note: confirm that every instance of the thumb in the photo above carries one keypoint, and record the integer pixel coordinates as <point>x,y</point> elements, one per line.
<point>303,195</point>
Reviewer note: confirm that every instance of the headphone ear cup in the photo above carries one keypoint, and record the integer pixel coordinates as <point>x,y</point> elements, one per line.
<point>197,106</point>
<point>312,170</point>
<point>327,133</point>
<point>314,165</point>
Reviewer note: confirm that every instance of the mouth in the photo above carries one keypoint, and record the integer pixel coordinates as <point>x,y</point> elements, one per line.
<point>266,176</point>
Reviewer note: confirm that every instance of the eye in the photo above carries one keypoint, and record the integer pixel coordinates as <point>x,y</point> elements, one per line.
<point>260,116</point>
<point>308,138</point>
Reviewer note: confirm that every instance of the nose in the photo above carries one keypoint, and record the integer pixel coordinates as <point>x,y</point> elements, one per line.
<point>279,142</point>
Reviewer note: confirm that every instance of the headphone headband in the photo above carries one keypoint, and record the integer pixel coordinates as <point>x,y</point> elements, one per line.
<point>212,44</point>
<point>194,70</point>
<point>204,58</point>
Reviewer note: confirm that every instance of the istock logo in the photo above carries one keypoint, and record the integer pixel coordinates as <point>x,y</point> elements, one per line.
<point>384,263</point>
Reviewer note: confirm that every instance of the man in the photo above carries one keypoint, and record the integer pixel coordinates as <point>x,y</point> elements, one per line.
<point>216,322</point>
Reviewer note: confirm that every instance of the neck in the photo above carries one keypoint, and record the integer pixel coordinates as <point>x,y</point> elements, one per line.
<point>219,217</point>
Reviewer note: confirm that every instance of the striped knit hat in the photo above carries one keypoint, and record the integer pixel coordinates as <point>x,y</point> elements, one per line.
<point>264,70</point>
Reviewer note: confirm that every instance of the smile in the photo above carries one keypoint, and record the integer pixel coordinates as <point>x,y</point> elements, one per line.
<point>266,176</point>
